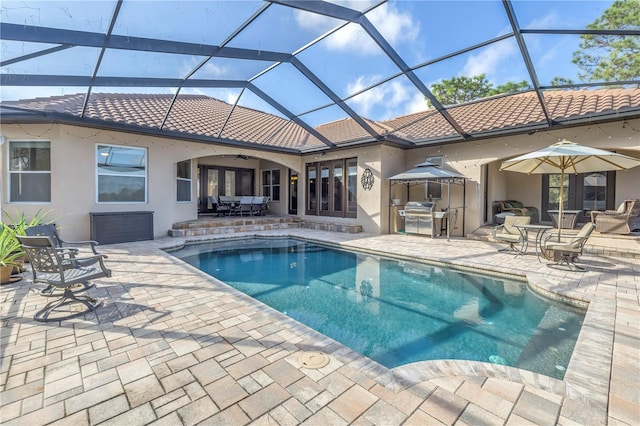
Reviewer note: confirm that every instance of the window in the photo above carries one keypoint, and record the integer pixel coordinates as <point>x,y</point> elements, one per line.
<point>121,174</point>
<point>271,184</point>
<point>332,188</point>
<point>433,190</point>
<point>183,176</point>
<point>29,171</point>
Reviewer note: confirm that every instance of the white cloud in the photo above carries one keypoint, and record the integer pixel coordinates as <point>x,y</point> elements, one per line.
<point>548,21</point>
<point>382,102</point>
<point>394,25</point>
<point>417,103</point>
<point>488,60</point>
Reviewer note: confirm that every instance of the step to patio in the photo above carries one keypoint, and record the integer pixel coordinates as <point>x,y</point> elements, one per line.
<point>231,225</point>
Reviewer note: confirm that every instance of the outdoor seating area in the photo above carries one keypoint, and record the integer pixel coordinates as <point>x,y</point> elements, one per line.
<point>241,205</point>
<point>621,221</point>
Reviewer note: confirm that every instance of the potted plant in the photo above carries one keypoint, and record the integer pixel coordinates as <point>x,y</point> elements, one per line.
<point>10,253</point>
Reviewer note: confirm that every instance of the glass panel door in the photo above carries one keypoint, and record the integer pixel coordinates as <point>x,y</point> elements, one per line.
<point>594,196</point>
<point>338,188</point>
<point>293,192</point>
<point>230,183</point>
<point>352,187</point>
<point>312,190</point>
<point>324,189</point>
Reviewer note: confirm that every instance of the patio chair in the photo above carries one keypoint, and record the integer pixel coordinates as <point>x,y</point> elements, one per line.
<point>621,221</point>
<point>52,268</point>
<point>259,205</point>
<point>70,255</point>
<point>569,247</point>
<point>218,207</point>
<point>244,206</point>
<point>519,209</point>
<point>510,234</point>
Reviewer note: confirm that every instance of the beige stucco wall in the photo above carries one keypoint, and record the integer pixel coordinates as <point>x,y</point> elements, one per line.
<point>73,174</point>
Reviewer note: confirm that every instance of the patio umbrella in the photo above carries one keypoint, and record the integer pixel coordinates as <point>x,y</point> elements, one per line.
<point>568,157</point>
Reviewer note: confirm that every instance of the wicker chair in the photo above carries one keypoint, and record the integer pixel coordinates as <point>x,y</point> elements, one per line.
<point>519,209</point>
<point>621,221</point>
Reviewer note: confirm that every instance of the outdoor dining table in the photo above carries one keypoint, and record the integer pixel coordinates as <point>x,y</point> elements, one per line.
<point>540,230</point>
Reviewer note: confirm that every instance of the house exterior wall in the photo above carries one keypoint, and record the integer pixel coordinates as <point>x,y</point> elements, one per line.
<point>74,174</point>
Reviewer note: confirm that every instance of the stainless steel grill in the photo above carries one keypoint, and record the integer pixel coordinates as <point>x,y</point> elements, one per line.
<point>419,218</point>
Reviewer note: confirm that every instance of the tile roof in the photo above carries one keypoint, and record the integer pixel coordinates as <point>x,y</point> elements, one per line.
<point>204,117</point>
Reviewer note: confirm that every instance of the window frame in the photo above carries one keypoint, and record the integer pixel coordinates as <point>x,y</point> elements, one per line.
<point>267,187</point>
<point>183,179</point>
<point>12,173</point>
<point>98,174</point>
<point>337,204</point>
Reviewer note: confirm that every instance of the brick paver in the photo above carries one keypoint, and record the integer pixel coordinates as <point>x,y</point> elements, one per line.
<point>172,346</point>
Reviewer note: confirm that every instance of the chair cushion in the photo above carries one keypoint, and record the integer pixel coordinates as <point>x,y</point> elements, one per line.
<point>507,205</point>
<point>512,238</point>
<point>517,204</point>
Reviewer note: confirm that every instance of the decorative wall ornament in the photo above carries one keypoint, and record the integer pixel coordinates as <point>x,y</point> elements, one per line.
<point>367,179</point>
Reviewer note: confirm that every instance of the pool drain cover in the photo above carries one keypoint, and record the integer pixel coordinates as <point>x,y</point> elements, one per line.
<point>313,359</point>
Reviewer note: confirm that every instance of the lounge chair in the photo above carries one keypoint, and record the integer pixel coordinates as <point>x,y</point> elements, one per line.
<point>519,209</point>
<point>51,267</point>
<point>569,247</point>
<point>621,221</point>
<point>508,233</point>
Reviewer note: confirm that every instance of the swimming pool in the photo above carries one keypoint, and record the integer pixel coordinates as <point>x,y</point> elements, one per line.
<point>397,312</point>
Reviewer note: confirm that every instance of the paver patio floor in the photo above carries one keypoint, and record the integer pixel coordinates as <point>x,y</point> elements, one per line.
<point>172,346</point>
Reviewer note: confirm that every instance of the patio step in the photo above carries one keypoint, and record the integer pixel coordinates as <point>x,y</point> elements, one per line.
<point>229,225</point>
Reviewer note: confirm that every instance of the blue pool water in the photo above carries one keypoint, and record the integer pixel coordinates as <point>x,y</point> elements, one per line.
<point>397,312</point>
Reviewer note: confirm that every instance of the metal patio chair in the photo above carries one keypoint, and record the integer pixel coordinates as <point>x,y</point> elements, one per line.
<point>70,254</point>
<point>569,247</point>
<point>51,266</point>
<point>512,235</point>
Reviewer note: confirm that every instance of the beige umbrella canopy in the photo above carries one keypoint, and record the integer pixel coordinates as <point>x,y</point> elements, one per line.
<point>568,157</point>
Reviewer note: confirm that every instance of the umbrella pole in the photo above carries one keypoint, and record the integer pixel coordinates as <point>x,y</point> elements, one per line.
<point>560,203</point>
<point>448,219</point>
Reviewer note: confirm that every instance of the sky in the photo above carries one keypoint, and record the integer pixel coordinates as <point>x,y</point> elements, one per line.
<point>348,61</point>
